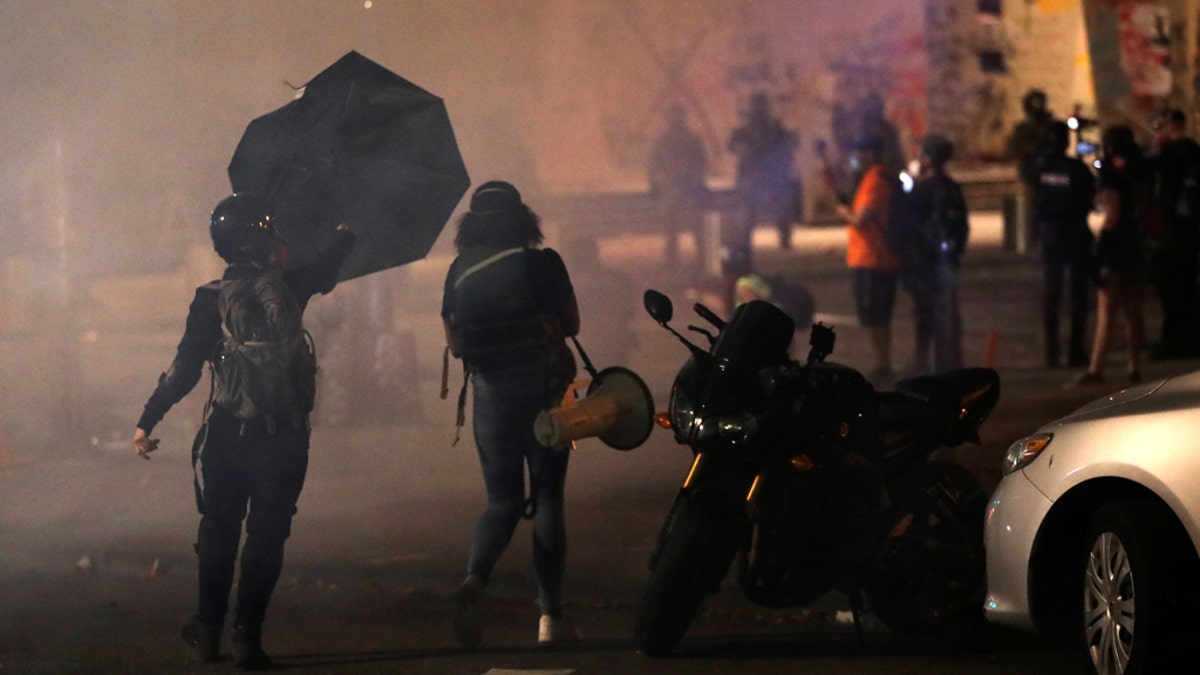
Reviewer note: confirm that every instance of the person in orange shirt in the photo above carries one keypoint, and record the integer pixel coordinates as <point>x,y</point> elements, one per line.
<point>874,268</point>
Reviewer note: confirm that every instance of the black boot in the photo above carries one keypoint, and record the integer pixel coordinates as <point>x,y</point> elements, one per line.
<point>203,640</point>
<point>248,653</point>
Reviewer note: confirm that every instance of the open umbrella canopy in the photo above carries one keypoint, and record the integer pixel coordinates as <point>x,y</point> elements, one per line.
<point>361,146</point>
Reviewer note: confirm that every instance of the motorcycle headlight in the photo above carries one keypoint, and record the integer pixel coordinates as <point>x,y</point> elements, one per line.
<point>681,412</point>
<point>736,429</point>
<point>1024,451</point>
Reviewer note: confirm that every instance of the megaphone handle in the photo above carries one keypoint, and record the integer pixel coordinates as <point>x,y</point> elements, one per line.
<point>587,363</point>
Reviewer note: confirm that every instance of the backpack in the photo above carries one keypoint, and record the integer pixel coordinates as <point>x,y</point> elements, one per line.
<point>920,241</point>
<point>266,363</point>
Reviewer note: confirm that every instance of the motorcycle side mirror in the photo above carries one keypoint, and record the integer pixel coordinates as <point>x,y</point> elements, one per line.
<point>658,306</point>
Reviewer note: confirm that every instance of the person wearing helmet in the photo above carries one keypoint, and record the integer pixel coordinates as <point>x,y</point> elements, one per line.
<point>508,307</point>
<point>1027,144</point>
<point>251,454</point>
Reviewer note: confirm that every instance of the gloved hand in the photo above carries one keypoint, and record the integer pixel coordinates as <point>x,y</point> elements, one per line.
<point>143,443</point>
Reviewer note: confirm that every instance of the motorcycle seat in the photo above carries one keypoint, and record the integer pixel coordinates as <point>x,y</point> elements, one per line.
<point>951,405</point>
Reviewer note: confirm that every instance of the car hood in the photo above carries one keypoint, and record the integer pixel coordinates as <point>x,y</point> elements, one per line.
<point>1185,383</point>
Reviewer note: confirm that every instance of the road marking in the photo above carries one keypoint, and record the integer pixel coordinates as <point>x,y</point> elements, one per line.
<point>517,671</point>
<point>403,557</point>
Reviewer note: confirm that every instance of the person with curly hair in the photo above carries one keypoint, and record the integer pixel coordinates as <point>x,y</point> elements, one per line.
<point>508,307</point>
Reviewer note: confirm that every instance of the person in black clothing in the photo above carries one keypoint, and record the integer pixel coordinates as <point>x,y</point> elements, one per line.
<point>1123,190</point>
<point>1175,263</point>
<point>1026,144</point>
<point>677,172</point>
<point>246,468</point>
<point>1065,193</point>
<point>938,213</point>
<point>508,307</point>
<point>766,183</point>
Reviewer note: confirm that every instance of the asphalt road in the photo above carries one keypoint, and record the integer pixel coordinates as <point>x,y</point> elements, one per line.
<point>96,571</point>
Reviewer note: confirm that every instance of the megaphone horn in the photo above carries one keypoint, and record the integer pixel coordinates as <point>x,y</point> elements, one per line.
<point>618,409</point>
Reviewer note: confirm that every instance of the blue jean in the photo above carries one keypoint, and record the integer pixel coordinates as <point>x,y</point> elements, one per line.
<point>507,401</point>
<point>938,322</point>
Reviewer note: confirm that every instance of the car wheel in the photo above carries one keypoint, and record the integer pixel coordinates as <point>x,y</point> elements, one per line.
<point>1135,565</point>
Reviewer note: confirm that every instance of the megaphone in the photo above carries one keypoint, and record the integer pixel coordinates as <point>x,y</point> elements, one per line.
<point>617,408</point>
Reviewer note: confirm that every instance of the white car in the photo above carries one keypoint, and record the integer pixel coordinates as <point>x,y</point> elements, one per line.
<point>1092,533</point>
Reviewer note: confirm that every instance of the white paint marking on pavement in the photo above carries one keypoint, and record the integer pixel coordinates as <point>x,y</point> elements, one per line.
<point>517,671</point>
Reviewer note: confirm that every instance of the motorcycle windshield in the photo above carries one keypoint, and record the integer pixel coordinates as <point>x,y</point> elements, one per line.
<point>759,334</point>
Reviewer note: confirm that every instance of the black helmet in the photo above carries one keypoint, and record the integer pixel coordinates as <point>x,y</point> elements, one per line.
<point>1034,103</point>
<point>242,229</point>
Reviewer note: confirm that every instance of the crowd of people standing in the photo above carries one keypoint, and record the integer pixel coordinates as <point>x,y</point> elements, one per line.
<point>1108,231</point>
<point>1147,202</point>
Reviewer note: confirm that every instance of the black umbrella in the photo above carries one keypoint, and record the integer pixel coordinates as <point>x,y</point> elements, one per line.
<point>362,146</point>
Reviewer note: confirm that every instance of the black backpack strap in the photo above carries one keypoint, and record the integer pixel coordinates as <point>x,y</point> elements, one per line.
<point>587,363</point>
<point>461,415</point>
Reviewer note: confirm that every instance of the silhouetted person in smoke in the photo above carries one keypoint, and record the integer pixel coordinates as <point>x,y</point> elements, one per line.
<point>1026,144</point>
<point>251,455</point>
<point>508,307</point>
<point>766,182</point>
<point>677,171</point>
<point>1175,263</point>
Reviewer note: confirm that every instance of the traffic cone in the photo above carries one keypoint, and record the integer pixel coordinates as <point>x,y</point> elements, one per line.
<point>989,351</point>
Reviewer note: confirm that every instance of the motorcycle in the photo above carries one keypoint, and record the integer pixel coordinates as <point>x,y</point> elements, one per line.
<point>814,482</point>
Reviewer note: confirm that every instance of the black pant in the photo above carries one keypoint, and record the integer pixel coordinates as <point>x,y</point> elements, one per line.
<point>1061,259</point>
<point>252,471</point>
<point>1175,271</point>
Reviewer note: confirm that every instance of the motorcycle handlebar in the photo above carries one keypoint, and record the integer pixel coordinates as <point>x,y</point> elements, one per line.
<point>708,315</point>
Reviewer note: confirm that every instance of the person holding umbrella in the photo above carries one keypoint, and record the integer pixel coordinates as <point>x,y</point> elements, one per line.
<point>507,307</point>
<point>251,454</point>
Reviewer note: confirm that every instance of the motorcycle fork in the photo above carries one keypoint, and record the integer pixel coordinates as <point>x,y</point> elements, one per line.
<point>697,464</point>
<point>688,483</point>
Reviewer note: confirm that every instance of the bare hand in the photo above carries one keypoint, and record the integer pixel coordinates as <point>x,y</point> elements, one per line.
<point>144,444</point>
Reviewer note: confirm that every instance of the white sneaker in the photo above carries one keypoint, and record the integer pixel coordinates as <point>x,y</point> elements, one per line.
<point>467,626</point>
<point>556,629</point>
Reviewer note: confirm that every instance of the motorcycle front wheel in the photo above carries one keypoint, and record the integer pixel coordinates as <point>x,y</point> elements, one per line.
<point>698,546</point>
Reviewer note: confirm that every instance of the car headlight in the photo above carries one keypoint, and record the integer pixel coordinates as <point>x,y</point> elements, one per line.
<point>1024,451</point>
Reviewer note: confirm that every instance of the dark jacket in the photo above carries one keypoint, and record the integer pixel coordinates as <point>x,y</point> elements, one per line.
<point>202,334</point>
